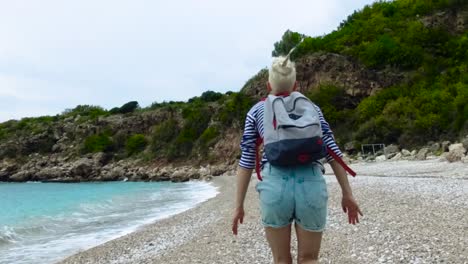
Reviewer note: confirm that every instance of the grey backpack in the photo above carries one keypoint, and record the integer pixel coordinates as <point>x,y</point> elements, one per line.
<point>292,130</point>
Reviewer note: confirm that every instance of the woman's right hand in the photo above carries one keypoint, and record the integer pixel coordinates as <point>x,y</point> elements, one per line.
<point>238,218</point>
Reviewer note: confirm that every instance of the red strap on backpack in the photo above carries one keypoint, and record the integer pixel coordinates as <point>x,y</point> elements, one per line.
<point>341,162</point>
<point>258,158</point>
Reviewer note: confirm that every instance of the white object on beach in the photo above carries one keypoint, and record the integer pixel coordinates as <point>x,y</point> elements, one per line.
<point>380,158</point>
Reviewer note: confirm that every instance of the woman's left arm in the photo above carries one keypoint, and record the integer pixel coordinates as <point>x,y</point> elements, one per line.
<point>348,203</point>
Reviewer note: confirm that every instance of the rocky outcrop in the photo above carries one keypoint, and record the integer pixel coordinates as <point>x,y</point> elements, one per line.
<point>228,147</point>
<point>454,21</point>
<point>390,150</point>
<point>7,168</point>
<point>21,176</point>
<point>434,147</point>
<point>435,150</point>
<point>84,167</point>
<point>405,153</point>
<point>456,152</point>
<point>350,147</point>
<point>335,69</point>
<point>422,153</point>
<point>95,168</point>
<point>398,156</point>
<point>445,146</point>
<point>465,159</point>
<point>66,136</point>
<point>256,86</point>
<point>330,69</point>
<point>381,158</point>
<point>465,142</point>
<point>27,144</point>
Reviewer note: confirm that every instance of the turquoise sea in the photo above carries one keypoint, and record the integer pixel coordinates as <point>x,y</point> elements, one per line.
<point>45,222</point>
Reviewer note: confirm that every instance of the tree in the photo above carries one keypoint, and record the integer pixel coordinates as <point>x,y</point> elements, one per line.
<point>289,40</point>
<point>126,108</point>
<point>210,96</point>
<point>129,107</point>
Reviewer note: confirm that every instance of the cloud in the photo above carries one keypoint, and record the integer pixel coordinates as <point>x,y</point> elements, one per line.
<point>56,54</point>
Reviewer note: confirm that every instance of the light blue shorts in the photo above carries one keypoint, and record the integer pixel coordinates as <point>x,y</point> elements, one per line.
<point>290,194</point>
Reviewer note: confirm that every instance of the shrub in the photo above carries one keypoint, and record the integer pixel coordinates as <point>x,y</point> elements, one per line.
<point>98,143</point>
<point>91,111</point>
<point>3,134</point>
<point>208,136</point>
<point>115,110</point>
<point>162,136</point>
<point>182,146</point>
<point>461,106</point>
<point>129,107</point>
<point>135,144</point>
<point>234,110</point>
<point>168,105</point>
<point>210,96</point>
<point>9,151</point>
<point>196,120</point>
<point>42,145</point>
<point>119,140</point>
<point>380,51</point>
<point>333,101</point>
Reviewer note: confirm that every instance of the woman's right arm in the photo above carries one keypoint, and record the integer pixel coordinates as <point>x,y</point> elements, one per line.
<point>243,179</point>
<point>245,168</point>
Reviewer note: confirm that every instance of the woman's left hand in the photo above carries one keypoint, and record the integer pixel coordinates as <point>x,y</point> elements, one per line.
<point>351,207</point>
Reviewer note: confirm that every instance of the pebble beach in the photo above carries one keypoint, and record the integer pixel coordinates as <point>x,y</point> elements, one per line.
<point>414,212</point>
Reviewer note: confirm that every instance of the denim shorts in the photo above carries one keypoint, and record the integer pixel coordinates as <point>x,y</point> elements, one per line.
<point>290,194</point>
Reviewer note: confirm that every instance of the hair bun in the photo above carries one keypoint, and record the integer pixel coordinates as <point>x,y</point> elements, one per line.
<point>283,67</point>
<point>282,74</point>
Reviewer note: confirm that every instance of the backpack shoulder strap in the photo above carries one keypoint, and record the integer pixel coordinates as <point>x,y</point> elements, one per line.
<point>258,143</point>
<point>258,157</point>
<point>341,162</point>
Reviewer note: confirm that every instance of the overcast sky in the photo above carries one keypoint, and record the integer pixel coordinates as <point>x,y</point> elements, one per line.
<point>56,54</point>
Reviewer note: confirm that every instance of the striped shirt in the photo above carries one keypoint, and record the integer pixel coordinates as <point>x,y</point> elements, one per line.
<point>254,127</point>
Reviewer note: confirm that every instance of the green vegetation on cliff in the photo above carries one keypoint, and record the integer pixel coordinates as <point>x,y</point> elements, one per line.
<point>135,144</point>
<point>432,104</point>
<point>203,119</point>
<point>101,142</point>
<point>426,41</point>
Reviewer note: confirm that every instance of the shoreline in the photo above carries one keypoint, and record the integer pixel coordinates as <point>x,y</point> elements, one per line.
<point>87,214</point>
<point>400,224</point>
<point>152,239</point>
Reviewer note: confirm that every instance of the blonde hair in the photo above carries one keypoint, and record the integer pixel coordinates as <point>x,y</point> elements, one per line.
<point>282,75</point>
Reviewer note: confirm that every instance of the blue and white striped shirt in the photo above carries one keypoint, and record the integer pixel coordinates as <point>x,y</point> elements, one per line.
<point>254,127</point>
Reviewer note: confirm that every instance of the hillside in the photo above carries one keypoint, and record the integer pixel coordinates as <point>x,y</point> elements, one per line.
<point>411,56</point>
<point>393,72</point>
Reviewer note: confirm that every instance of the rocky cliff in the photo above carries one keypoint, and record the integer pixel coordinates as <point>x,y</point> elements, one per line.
<point>207,130</point>
<point>331,69</point>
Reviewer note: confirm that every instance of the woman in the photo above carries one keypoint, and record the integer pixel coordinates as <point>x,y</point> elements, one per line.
<point>289,194</point>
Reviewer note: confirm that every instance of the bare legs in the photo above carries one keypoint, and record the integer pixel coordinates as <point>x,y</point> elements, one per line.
<point>308,246</point>
<point>280,244</point>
